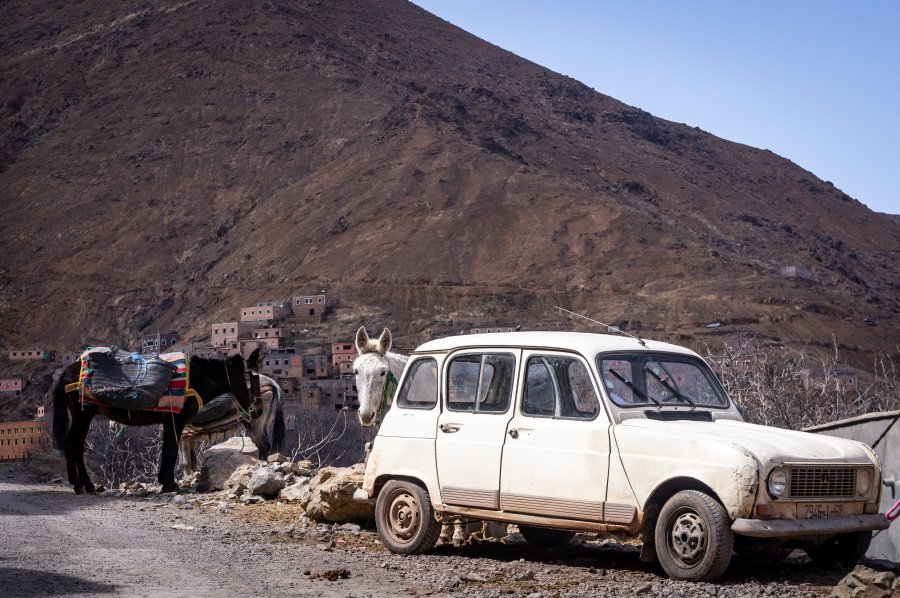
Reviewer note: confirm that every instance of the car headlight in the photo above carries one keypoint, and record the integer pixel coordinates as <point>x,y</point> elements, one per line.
<point>863,482</point>
<point>777,482</point>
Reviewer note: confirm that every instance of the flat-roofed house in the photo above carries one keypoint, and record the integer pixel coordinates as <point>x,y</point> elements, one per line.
<point>21,439</point>
<point>12,386</point>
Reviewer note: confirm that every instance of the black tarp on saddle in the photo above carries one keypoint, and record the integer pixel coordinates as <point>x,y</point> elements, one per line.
<point>123,380</point>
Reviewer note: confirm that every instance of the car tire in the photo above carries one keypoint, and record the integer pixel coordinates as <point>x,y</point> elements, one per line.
<point>694,541</point>
<point>844,549</point>
<point>544,537</point>
<point>405,518</point>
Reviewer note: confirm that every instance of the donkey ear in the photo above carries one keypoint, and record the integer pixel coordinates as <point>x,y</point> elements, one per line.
<point>362,340</point>
<point>253,359</point>
<point>384,342</point>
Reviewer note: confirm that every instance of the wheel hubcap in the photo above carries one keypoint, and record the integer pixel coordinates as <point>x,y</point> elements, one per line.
<point>404,516</point>
<point>688,538</point>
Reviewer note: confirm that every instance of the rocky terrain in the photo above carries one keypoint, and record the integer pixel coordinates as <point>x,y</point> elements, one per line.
<point>163,164</point>
<point>137,543</point>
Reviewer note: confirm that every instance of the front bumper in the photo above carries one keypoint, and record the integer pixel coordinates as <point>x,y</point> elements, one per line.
<point>788,528</point>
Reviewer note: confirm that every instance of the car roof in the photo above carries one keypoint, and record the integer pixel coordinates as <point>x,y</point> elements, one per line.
<point>584,343</point>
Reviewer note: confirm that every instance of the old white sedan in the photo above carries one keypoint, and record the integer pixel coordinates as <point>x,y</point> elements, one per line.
<point>563,432</point>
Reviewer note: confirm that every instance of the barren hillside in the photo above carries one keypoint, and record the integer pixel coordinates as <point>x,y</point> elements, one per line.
<point>165,163</point>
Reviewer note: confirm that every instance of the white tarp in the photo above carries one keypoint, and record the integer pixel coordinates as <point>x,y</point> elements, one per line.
<point>868,429</point>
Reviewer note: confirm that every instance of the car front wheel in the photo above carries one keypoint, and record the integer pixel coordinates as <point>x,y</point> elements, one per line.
<point>405,519</point>
<point>694,541</point>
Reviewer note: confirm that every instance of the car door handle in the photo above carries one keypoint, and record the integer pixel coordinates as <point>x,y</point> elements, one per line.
<point>449,428</point>
<point>513,433</point>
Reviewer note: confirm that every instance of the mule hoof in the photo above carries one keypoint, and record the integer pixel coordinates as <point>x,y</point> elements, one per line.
<point>166,489</point>
<point>79,489</point>
<point>98,489</point>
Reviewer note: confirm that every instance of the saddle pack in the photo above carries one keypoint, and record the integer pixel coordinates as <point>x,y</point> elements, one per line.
<point>114,378</point>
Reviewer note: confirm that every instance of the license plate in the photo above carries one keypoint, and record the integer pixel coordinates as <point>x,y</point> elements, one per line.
<point>821,510</point>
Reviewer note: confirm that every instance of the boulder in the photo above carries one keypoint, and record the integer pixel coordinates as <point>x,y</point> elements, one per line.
<point>277,458</point>
<point>222,460</point>
<point>331,496</point>
<point>295,491</point>
<point>864,582</point>
<point>265,482</point>
<point>239,479</point>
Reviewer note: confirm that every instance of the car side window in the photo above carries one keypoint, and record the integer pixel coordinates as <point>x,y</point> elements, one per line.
<point>559,386</point>
<point>419,390</point>
<point>480,382</point>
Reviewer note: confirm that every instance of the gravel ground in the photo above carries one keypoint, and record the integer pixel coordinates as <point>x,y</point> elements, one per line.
<point>56,543</point>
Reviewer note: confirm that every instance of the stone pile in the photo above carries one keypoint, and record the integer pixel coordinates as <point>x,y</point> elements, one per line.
<point>234,467</point>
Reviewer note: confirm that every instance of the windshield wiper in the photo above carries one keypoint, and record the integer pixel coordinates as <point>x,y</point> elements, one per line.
<point>633,388</point>
<point>671,388</point>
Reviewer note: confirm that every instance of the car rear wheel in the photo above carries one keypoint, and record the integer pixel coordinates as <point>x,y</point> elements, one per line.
<point>844,549</point>
<point>693,537</point>
<point>545,537</point>
<point>405,519</point>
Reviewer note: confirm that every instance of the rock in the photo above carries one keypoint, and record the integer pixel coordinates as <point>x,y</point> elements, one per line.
<point>303,468</point>
<point>239,479</point>
<point>265,482</point>
<point>286,468</point>
<point>222,460</point>
<point>295,491</point>
<point>49,466</point>
<point>353,528</point>
<point>864,582</point>
<point>331,496</point>
<point>252,500</point>
<point>277,458</point>
<point>527,576</point>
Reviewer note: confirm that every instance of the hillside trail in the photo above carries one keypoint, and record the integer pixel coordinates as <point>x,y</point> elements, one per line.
<point>57,543</point>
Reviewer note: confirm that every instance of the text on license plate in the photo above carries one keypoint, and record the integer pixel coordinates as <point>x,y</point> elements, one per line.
<point>821,510</point>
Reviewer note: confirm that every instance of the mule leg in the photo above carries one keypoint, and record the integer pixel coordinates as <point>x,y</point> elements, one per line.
<point>78,475</point>
<point>188,456</point>
<point>172,429</point>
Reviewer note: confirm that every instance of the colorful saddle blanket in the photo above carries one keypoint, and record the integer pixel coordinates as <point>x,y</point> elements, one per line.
<point>115,378</point>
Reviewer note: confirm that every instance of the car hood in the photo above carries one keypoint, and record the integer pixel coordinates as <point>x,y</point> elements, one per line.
<point>767,444</point>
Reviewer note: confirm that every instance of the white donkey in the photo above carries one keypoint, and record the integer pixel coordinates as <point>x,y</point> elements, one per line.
<point>377,371</point>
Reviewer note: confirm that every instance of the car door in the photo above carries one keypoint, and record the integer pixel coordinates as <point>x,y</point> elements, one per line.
<point>556,458</point>
<point>478,389</point>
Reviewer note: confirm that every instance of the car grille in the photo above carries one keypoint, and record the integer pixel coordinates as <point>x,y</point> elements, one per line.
<point>823,482</point>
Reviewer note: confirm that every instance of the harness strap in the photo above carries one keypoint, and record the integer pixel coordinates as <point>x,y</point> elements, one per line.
<point>387,394</point>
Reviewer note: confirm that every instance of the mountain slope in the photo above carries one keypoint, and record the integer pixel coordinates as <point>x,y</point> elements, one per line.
<point>164,164</point>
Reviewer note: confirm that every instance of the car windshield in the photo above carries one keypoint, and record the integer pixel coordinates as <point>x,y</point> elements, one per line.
<point>659,379</point>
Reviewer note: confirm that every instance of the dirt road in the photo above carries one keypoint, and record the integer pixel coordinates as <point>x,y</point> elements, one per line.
<point>56,543</point>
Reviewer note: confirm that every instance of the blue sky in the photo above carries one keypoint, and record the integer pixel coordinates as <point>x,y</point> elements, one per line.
<point>817,82</point>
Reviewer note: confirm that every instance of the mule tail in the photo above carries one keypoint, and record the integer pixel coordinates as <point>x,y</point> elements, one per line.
<point>60,414</point>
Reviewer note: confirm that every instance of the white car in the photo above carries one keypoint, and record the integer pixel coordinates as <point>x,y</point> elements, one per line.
<point>563,432</point>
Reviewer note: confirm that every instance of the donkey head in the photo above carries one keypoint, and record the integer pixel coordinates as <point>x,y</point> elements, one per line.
<point>371,370</point>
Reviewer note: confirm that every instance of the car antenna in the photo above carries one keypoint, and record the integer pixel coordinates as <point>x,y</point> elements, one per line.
<point>608,327</point>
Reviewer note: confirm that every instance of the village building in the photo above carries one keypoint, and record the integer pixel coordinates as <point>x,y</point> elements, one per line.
<point>35,354</point>
<point>309,309</point>
<point>68,359</point>
<point>488,328</point>
<point>796,272</point>
<point>278,364</point>
<point>226,334</point>
<point>261,315</point>
<point>315,366</point>
<point>19,440</point>
<point>342,357</point>
<point>12,386</point>
<point>160,342</point>
<point>280,309</point>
